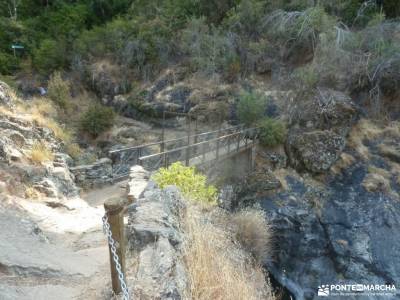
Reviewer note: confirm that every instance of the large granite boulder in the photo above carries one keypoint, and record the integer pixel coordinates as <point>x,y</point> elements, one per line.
<point>106,80</point>
<point>314,151</point>
<point>318,130</point>
<point>327,109</point>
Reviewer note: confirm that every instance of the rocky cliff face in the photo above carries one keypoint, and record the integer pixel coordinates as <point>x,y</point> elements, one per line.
<point>318,130</point>
<point>19,133</point>
<point>341,233</point>
<point>336,215</point>
<point>156,238</point>
<point>52,246</point>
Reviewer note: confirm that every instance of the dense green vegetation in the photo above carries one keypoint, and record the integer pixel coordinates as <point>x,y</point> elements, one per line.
<point>191,183</point>
<point>217,36</point>
<point>59,90</point>
<point>97,120</point>
<point>251,107</point>
<point>272,132</point>
<point>350,44</point>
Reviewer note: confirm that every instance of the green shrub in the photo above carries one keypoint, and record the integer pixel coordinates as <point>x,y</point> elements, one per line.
<point>297,32</point>
<point>272,132</point>
<point>210,50</point>
<point>59,90</point>
<point>246,18</point>
<point>192,184</point>
<point>8,64</point>
<point>97,120</point>
<point>306,78</point>
<point>251,107</point>
<point>50,56</point>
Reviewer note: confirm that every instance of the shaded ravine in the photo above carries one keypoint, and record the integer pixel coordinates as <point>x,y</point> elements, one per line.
<point>340,234</point>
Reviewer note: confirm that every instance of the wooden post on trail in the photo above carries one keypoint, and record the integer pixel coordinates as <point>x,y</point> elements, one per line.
<point>219,134</point>
<point>162,145</point>
<point>139,154</point>
<point>195,136</point>
<point>188,142</point>
<point>238,141</point>
<point>252,157</point>
<point>114,208</point>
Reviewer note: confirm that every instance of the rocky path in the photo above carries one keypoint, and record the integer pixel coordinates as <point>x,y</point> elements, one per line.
<point>55,248</point>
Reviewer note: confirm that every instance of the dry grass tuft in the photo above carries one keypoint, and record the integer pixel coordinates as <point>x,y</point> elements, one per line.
<point>253,232</point>
<point>73,150</point>
<point>60,132</point>
<point>41,153</point>
<point>281,174</point>
<point>368,130</point>
<point>217,268</point>
<point>376,182</point>
<point>43,107</point>
<point>360,132</point>
<point>32,193</point>
<point>345,161</point>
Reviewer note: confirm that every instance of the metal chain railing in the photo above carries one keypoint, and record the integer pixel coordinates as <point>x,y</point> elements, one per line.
<point>111,242</point>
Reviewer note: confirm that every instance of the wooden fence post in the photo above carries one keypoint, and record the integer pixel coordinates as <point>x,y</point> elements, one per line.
<point>188,142</point>
<point>196,139</point>
<point>162,145</point>
<point>252,157</point>
<point>114,208</point>
<point>238,142</point>
<point>218,136</point>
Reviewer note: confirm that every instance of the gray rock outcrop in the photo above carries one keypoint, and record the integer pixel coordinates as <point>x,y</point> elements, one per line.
<point>5,95</point>
<point>18,135</point>
<point>315,151</point>
<point>318,130</point>
<point>95,174</point>
<point>339,234</point>
<point>154,234</point>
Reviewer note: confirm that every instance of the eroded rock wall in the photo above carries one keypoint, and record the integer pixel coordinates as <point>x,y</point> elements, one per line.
<point>155,237</point>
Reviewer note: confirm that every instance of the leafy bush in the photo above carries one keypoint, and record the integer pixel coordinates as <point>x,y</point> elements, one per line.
<point>209,49</point>
<point>251,107</point>
<point>246,18</point>
<point>59,90</point>
<point>8,63</point>
<point>97,120</point>
<point>272,132</point>
<point>306,78</point>
<point>141,45</point>
<point>50,56</point>
<point>192,184</point>
<point>296,33</point>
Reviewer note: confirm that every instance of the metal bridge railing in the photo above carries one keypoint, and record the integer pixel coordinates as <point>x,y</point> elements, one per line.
<point>213,148</point>
<point>187,145</point>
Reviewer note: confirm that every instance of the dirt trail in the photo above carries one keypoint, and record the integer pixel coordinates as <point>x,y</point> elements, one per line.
<point>56,249</point>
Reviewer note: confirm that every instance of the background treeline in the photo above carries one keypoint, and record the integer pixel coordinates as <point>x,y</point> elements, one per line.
<point>226,36</point>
